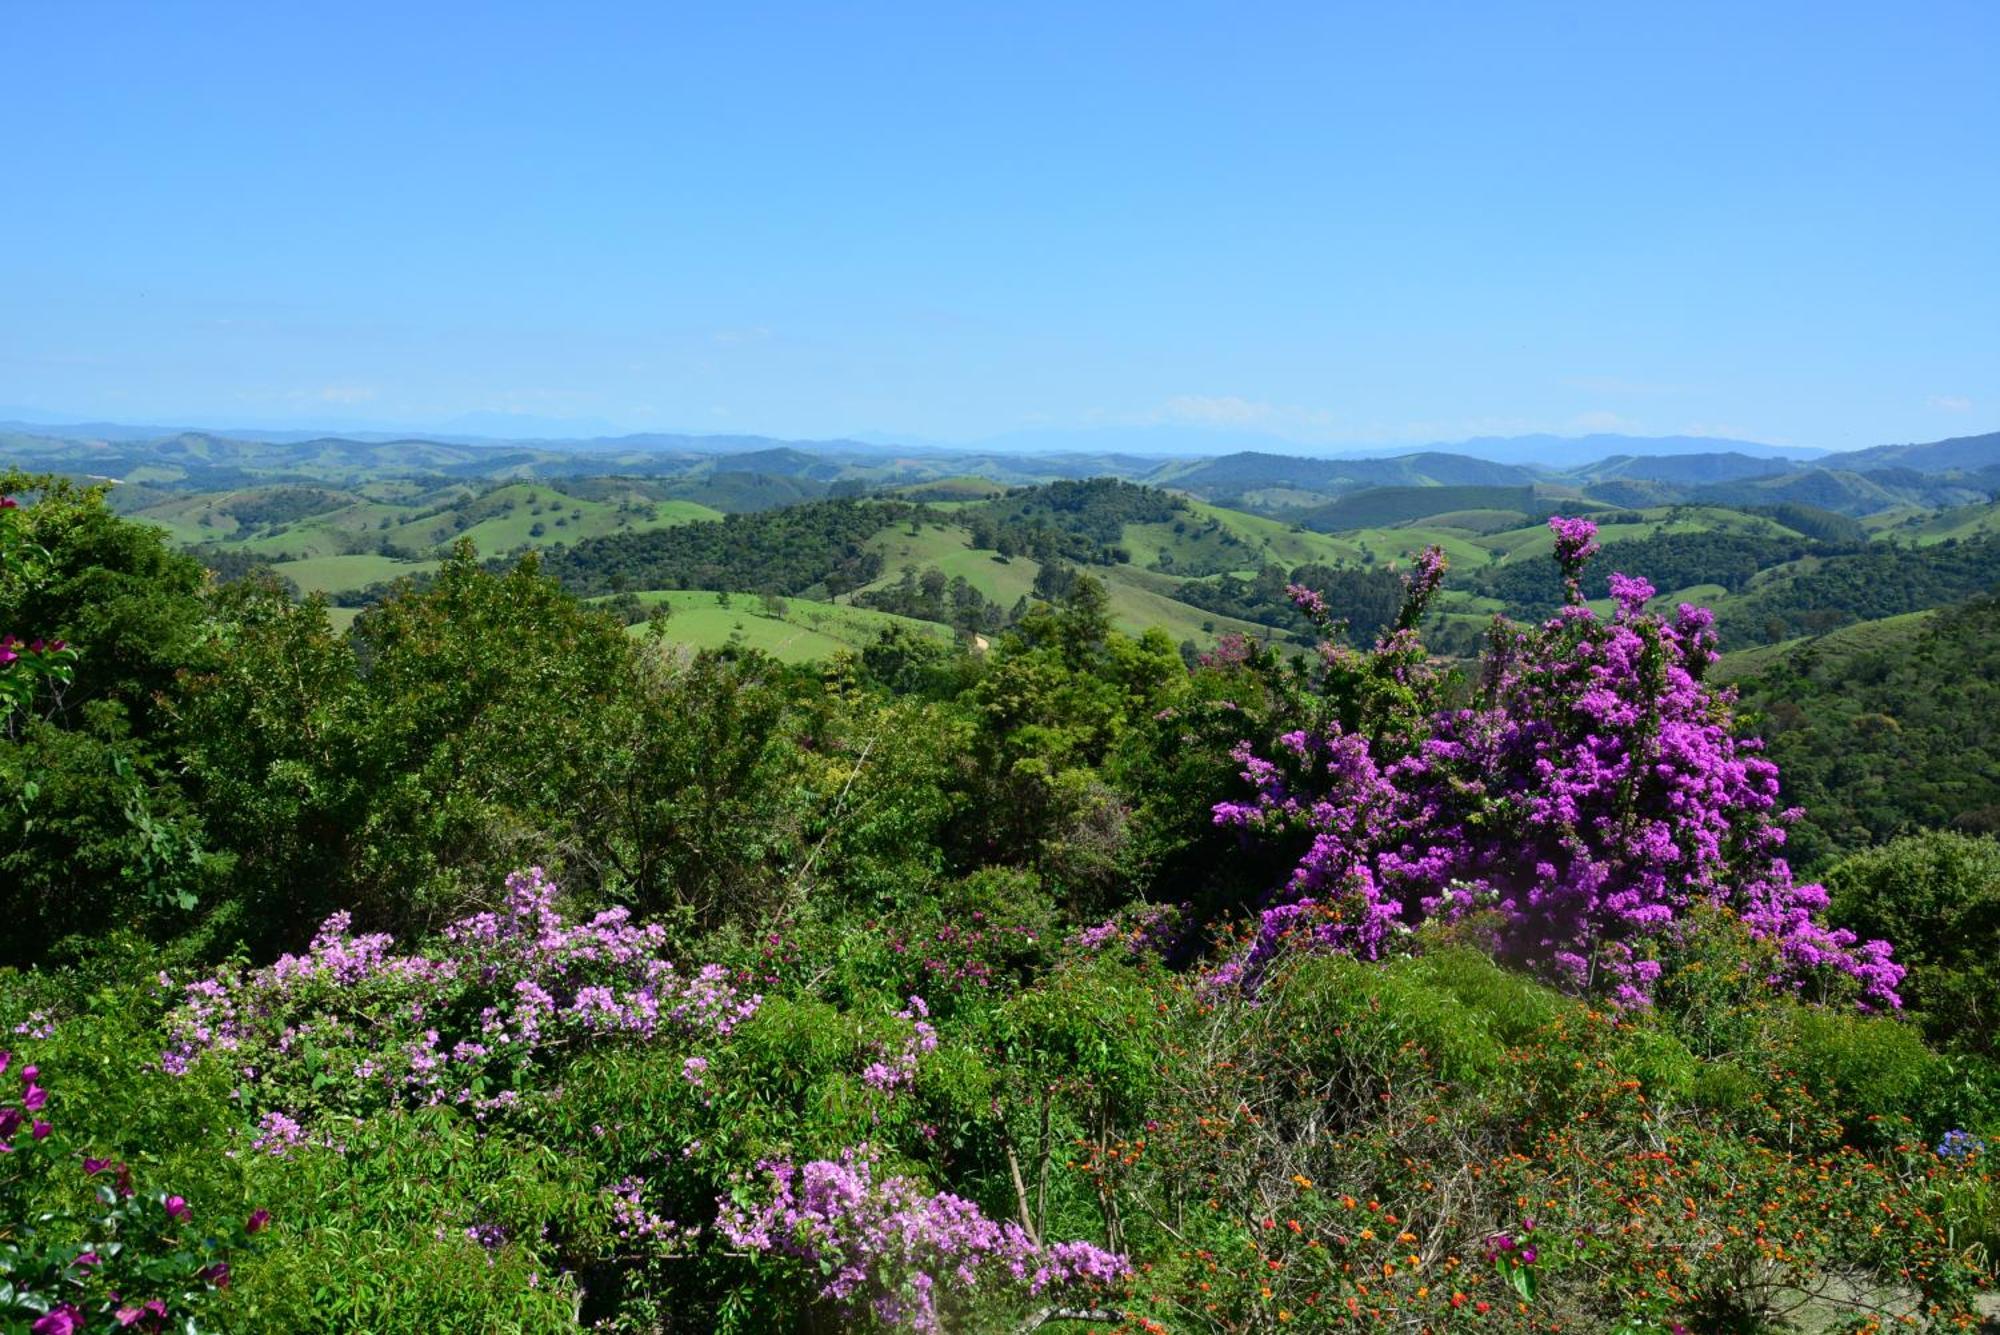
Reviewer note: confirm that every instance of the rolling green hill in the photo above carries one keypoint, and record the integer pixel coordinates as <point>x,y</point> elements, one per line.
<point>1884,727</point>
<point>1771,564</point>
<point>1864,637</point>
<point>528,514</point>
<point>343,574</point>
<point>1385,507</point>
<point>795,630</point>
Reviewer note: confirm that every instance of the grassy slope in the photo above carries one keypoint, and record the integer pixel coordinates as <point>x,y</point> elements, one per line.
<point>1536,543</point>
<point>1398,546</point>
<point>1862,637</point>
<point>1966,521</point>
<point>1478,523</point>
<point>339,574</point>
<point>1139,599</point>
<point>1277,542</point>
<point>1135,608</point>
<point>504,519</point>
<point>1002,580</point>
<point>808,629</point>
<point>504,534</point>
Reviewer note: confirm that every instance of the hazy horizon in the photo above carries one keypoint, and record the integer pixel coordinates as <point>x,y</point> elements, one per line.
<point>1159,441</point>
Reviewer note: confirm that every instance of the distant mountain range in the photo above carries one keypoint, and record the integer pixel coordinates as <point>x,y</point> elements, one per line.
<point>1566,452</point>
<point>1152,444</point>
<point>751,472</point>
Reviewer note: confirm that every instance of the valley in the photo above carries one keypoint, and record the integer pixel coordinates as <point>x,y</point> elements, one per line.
<point>1783,549</point>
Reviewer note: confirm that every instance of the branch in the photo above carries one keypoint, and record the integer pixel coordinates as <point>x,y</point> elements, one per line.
<point>1039,1319</point>
<point>1020,1191</point>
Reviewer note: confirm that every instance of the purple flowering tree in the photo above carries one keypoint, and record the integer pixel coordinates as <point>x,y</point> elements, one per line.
<point>1592,793</point>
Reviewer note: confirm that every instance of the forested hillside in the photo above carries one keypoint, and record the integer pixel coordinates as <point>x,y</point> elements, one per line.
<point>1900,736</point>
<point>487,963</point>
<point>790,550</point>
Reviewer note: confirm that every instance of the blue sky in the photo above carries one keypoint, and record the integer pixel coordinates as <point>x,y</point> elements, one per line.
<point>1333,223</point>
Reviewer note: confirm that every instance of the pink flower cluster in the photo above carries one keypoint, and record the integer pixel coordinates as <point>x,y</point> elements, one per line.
<point>912,1256</point>
<point>1141,929</point>
<point>633,1221</point>
<point>1593,795</point>
<point>505,989</point>
<point>278,1135</point>
<point>891,1072</point>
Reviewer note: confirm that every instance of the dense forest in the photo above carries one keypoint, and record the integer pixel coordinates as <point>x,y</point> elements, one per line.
<point>1892,739</point>
<point>787,551</point>
<point>483,965</point>
<point>1365,600</point>
<point>1886,580</point>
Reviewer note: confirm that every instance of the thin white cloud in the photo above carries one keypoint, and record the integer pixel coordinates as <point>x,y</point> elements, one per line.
<point>1232,412</point>
<point>346,393</point>
<point>1724,431</point>
<point>1218,410</point>
<point>1621,385</point>
<point>1952,403</point>
<point>1603,421</point>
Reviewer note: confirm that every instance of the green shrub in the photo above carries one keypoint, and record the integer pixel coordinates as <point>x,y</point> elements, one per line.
<point>1869,1071</point>
<point>417,1222</point>
<point>1937,897</point>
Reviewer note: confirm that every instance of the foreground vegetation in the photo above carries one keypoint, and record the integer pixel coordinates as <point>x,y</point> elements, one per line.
<point>494,966</point>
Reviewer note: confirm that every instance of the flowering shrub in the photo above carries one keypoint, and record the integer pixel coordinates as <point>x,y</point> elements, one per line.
<point>974,955</point>
<point>1434,1143</point>
<point>350,1026</point>
<point>641,1227</point>
<point>1592,795</point>
<point>907,1257</point>
<point>139,1261</point>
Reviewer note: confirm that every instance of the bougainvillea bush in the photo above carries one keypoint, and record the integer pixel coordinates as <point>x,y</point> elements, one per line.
<point>884,1247</point>
<point>1592,793</point>
<point>349,1026</point>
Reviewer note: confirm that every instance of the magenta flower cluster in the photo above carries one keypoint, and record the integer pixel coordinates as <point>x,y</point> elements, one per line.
<point>24,1111</point>
<point>911,1257</point>
<point>464,1025</point>
<point>1594,793</point>
<point>91,1277</point>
